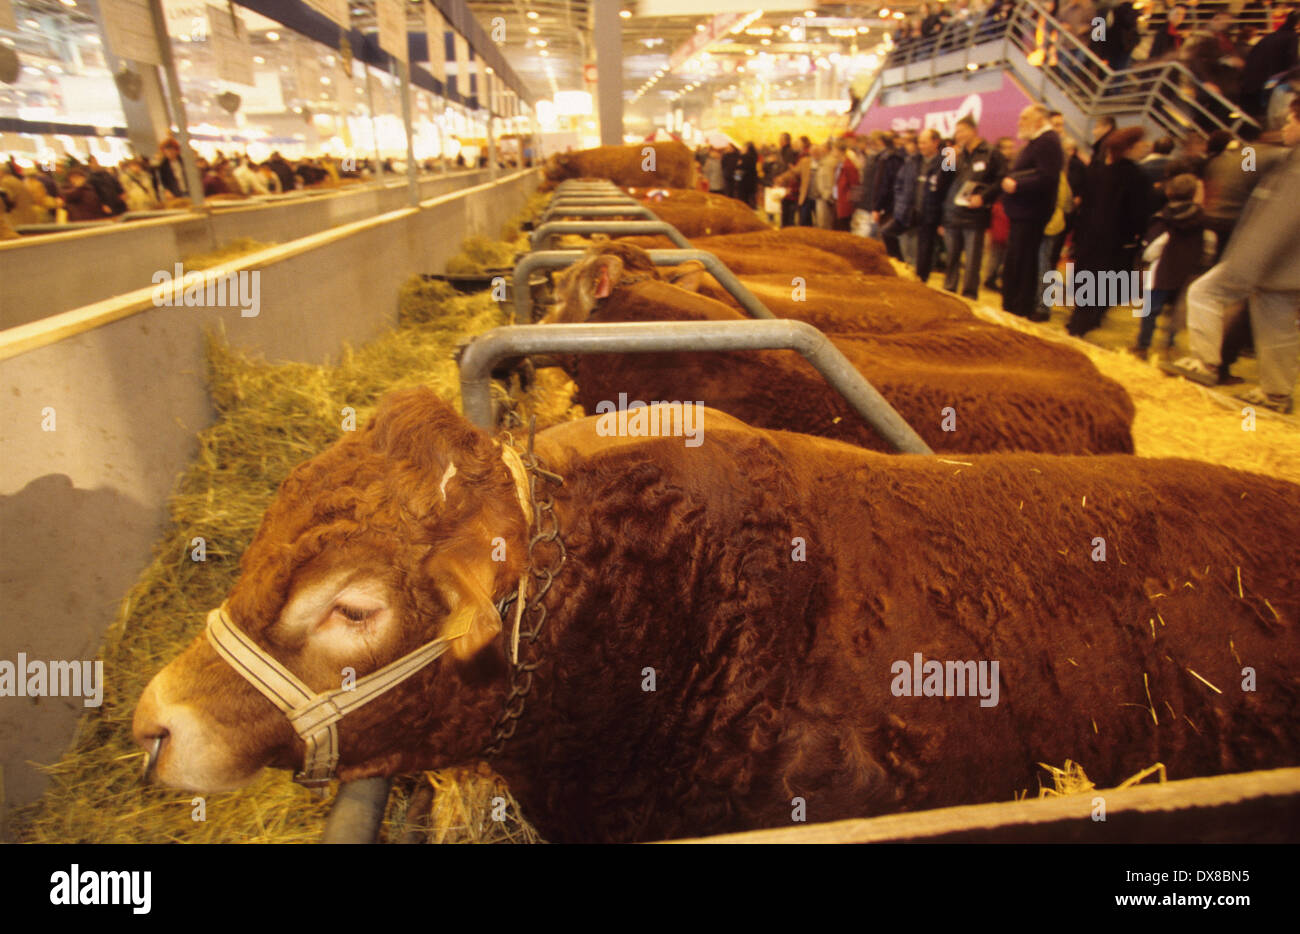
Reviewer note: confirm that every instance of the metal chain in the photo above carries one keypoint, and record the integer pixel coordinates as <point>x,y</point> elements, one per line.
<point>546,531</point>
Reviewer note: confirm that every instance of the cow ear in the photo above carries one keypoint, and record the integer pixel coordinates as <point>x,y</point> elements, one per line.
<point>608,270</point>
<point>473,621</point>
<point>689,276</point>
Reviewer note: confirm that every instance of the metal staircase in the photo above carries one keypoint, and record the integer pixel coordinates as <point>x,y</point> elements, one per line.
<point>1060,72</point>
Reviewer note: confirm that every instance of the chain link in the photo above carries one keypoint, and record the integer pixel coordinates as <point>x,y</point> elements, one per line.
<point>546,533</point>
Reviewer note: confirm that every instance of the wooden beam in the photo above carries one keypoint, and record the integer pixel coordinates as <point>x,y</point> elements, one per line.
<point>1251,807</point>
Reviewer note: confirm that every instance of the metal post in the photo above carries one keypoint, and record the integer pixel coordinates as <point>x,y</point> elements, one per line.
<point>374,127</point>
<point>607,33</point>
<point>412,182</point>
<point>357,811</point>
<point>192,180</point>
<point>480,355</point>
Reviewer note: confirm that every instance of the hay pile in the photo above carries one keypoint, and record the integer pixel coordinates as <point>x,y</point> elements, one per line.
<point>270,417</point>
<point>1177,418</point>
<point>478,254</point>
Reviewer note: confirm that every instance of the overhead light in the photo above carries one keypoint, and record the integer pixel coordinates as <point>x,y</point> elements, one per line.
<point>533,30</point>
<point>810,14</point>
<point>898,14</point>
<point>766,41</point>
<point>699,27</point>
<point>884,12</point>
<point>259,59</point>
<point>625,14</point>
<point>69,3</point>
<point>541,43</point>
<point>273,36</point>
<point>543,53</point>
<point>532,14</point>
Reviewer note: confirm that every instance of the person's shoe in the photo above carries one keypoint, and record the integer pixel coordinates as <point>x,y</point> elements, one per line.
<point>1257,396</point>
<point>1040,315</point>
<point>992,286</point>
<point>1191,368</point>
<point>973,296</point>
<point>1140,352</point>
<point>1227,379</point>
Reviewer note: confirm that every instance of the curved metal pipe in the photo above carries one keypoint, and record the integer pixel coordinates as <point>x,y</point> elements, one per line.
<point>358,811</point>
<point>553,259</point>
<point>556,228</point>
<point>480,355</point>
<point>632,209</point>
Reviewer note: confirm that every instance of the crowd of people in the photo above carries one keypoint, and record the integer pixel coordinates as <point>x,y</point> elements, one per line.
<point>80,190</point>
<point>1242,51</point>
<point>1007,213</point>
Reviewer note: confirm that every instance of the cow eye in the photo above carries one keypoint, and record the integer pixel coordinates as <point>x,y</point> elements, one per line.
<point>354,614</point>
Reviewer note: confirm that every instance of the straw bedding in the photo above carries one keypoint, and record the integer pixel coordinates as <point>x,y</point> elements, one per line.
<point>270,416</point>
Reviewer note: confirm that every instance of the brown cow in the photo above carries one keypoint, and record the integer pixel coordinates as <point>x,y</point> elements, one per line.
<point>800,251</point>
<point>753,624</point>
<point>964,385</point>
<point>700,213</point>
<point>642,164</point>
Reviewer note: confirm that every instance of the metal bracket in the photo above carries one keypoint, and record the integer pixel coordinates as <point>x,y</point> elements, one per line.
<point>482,353</point>
<point>556,228</point>
<point>554,259</point>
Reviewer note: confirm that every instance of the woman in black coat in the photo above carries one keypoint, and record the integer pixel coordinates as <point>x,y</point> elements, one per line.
<point>747,188</point>
<point>730,170</point>
<point>1118,204</point>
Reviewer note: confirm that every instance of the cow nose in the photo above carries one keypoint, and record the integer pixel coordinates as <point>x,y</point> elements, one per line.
<point>151,754</point>
<point>149,729</point>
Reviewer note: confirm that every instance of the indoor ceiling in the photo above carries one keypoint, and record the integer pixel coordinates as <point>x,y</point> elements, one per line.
<point>548,41</point>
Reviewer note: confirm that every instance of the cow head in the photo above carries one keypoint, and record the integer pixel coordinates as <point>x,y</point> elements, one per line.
<point>380,544</point>
<point>602,270</point>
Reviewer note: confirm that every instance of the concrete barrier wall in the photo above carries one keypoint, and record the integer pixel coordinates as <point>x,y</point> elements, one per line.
<point>81,506</point>
<point>46,275</point>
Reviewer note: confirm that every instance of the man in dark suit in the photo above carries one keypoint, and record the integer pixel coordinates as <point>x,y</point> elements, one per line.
<point>1030,197</point>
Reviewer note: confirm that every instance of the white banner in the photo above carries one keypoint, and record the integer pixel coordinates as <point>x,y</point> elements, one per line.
<point>462,65</point>
<point>436,34</point>
<point>187,19</point>
<point>230,46</point>
<point>391,17</point>
<point>128,27</point>
<point>337,10</point>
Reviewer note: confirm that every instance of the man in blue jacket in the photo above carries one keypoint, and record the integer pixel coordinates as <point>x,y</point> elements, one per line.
<point>1030,195</point>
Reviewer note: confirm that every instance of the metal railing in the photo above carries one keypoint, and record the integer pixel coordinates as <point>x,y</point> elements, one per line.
<point>1050,61</point>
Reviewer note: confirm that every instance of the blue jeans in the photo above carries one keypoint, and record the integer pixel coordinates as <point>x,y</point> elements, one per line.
<point>967,242</point>
<point>1156,299</point>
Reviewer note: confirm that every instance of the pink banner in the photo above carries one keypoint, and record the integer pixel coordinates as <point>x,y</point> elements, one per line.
<point>995,112</point>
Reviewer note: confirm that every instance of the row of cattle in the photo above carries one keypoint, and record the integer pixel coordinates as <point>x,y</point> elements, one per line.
<point>728,643</point>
